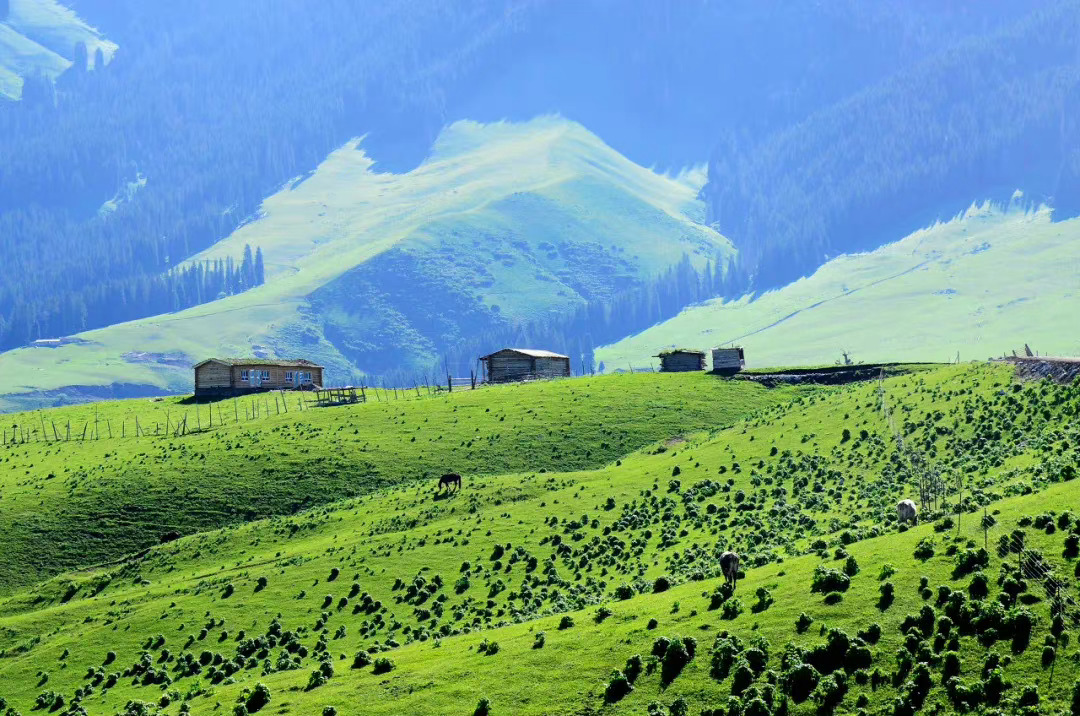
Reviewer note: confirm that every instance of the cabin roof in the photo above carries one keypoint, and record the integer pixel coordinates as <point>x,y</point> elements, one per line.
<point>679,351</point>
<point>296,363</point>
<point>531,352</point>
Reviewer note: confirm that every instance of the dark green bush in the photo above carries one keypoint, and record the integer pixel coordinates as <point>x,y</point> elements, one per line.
<point>743,677</point>
<point>826,580</point>
<point>259,697</point>
<point>800,681</point>
<point>618,687</point>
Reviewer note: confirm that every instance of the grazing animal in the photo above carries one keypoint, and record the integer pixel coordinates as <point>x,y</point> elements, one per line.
<point>906,511</point>
<point>450,478</point>
<point>729,564</point>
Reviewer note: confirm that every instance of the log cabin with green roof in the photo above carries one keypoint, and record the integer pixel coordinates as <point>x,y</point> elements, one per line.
<point>226,377</point>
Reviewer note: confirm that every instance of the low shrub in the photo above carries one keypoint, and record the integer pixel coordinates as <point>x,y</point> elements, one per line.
<point>827,580</point>
<point>618,687</point>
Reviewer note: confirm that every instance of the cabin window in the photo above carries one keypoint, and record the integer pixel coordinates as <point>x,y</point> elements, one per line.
<point>288,376</point>
<point>243,375</point>
<point>266,375</point>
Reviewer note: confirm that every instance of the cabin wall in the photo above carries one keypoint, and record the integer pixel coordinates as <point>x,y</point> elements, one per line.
<point>212,375</point>
<point>726,360</point>
<point>509,367</point>
<point>681,362</point>
<point>277,376</point>
<point>553,367</point>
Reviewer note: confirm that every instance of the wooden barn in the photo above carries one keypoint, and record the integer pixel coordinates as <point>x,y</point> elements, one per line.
<point>223,377</point>
<point>512,364</point>
<point>728,361</point>
<point>681,360</point>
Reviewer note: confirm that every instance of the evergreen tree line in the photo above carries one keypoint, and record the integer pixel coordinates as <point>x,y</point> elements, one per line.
<point>977,121</point>
<point>217,107</point>
<point>601,322</point>
<point>127,299</point>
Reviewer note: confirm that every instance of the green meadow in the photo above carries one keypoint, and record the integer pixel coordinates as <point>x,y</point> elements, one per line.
<point>73,503</point>
<point>978,286</point>
<point>576,573</point>
<point>507,219</point>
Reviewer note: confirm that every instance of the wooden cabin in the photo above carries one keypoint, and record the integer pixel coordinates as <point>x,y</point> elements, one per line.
<point>224,377</point>
<point>728,361</point>
<point>511,364</point>
<point>680,360</point>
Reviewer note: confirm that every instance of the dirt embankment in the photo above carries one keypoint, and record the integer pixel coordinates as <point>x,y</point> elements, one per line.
<point>1059,370</point>
<point>830,375</point>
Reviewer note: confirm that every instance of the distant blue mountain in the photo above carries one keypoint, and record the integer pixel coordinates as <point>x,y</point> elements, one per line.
<point>824,123</point>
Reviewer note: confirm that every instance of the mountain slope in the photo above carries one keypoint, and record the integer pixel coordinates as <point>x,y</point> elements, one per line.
<point>982,284</point>
<point>39,37</point>
<point>503,224</point>
<point>572,574</point>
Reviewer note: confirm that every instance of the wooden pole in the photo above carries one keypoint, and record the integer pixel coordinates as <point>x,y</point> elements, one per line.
<point>56,433</point>
<point>284,403</point>
<point>236,410</point>
<point>69,429</point>
<point>44,434</point>
<point>108,424</point>
<point>449,383</point>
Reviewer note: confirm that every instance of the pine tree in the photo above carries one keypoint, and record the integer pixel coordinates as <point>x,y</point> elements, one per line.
<point>247,269</point>
<point>260,269</point>
<point>81,58</point>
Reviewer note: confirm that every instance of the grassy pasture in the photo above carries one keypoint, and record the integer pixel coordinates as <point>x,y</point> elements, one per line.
<point>72,504</point>
<point>981,284</point>
<point>426,581</point>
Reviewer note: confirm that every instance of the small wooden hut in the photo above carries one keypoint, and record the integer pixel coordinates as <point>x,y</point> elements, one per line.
<point>728,361</point>
<point>226,377</point>
<point>681,360</point>
<point>512,364</point>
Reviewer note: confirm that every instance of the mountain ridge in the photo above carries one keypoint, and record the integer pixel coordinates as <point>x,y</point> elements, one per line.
<point>545,194</point>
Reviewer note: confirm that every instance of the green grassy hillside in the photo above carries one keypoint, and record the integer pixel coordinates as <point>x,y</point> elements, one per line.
<point>71,504</point>
<point>982,284</point>
<point>528,590</point>
<point>39,36</point>
<point>369,271</point>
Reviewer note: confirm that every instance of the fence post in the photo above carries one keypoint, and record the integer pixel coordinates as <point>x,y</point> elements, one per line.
<point>472,378</point>
<point>449,383</point>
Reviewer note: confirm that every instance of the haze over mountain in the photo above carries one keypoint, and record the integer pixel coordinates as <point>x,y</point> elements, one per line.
<point>824,128</point>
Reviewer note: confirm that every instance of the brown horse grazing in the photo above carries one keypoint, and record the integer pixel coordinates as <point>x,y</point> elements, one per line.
<point>450,478</point>
<point>729,565</point>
